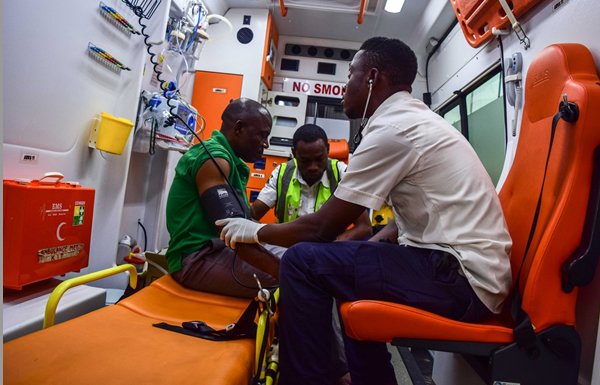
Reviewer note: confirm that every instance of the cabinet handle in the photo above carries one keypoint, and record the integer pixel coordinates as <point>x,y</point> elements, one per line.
<point>219,90</point>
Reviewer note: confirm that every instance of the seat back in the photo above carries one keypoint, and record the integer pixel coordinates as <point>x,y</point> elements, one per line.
<point>339,149</point>
<point>559,69</point>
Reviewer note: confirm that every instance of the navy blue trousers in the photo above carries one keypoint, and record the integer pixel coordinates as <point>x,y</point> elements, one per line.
<point>312,274</point>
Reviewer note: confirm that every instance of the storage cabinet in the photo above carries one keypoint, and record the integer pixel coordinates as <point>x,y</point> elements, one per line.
<point>260,171</point>
<point>212,93</point>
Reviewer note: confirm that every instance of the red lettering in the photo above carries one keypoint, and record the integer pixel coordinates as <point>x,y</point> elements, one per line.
<point>296,86</point>
<point>305,87</point>
<point>317,88</point>
<point>326,88</point>
<point>336,90</point>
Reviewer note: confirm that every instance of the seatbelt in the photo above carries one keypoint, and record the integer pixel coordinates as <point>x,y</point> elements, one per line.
<point>523,332</point>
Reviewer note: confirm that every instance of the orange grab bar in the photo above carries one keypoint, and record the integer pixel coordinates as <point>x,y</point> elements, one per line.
<point>361,14</point>
<point>283,8</point>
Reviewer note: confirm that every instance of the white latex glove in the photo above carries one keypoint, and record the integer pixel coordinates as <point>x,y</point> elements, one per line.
<point>239,230</point>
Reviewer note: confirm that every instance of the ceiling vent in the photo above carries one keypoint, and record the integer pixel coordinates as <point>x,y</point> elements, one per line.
<point>319,52</point>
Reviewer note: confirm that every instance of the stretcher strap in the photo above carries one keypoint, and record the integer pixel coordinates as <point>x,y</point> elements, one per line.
<point>243,328</point>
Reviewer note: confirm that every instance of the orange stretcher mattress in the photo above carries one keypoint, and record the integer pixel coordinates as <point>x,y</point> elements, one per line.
<point>118,344</point>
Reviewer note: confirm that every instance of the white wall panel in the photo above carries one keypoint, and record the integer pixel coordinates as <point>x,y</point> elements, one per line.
<point>224,53</point>
<point>52,92</point>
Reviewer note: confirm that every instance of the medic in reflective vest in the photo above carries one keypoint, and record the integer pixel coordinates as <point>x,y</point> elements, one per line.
<point>303,184</point>
<point>289,190</point>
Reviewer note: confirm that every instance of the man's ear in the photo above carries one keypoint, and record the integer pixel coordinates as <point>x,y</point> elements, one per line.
<point>374,75</point>
<point>238,126</point>
<point>293,152</point>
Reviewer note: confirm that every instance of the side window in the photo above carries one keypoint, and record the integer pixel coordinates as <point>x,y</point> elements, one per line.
<point>453,116</point>
<point>478,112</point>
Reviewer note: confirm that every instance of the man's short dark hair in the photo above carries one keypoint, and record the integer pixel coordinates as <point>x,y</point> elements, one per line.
<point>393,57</point>
<point>243,109</point>
<point>309,133</point>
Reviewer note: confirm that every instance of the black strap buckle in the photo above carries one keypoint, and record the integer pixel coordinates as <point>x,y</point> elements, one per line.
<point>525,337</point>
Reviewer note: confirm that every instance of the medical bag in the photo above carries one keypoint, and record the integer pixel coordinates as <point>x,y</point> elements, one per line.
<point>47,229</point>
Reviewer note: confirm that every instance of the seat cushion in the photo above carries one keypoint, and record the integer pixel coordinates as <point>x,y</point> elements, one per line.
<point>383,321</point>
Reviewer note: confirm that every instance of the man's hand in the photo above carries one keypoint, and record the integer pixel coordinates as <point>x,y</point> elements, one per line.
<point>239,230</point>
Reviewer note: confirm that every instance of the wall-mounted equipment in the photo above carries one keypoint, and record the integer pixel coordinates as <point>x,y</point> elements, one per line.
<point>478,18</point>
<point>288,112</point>
<point>330,53</point>
<point>143,8</point>
<point>116,19</point>
<point>290,65</point>
<point>47,228</point>
<point>106,59</point>
<point>155,126</point>
<point>110,133</point>
<point>514,86</point>
<point>326,68</point>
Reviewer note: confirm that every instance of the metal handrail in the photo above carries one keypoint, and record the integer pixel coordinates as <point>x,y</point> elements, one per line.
<point>57,293</point>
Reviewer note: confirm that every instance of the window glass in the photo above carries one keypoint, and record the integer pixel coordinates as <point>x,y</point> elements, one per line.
<point>453,116</point>
<point>485,111</point>
<point>479,114</point>
<point>485,94</point>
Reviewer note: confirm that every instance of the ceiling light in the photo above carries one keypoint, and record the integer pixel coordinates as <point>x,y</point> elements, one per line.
<point>394,6</point>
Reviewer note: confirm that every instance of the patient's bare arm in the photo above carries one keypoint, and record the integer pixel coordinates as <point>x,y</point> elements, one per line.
<point>259,257</point>
<point>388,234</point>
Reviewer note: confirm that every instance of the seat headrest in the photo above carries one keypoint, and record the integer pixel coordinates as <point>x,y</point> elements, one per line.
<point>339,149</point>
<point>549,72</point>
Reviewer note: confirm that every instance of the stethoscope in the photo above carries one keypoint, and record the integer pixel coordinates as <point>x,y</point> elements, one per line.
<point>358,136</point>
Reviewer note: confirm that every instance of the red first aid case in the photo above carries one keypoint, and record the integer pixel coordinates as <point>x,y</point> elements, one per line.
<point>47,229</point>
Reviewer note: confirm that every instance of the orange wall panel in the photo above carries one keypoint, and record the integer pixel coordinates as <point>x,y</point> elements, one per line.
<point>212,93</point>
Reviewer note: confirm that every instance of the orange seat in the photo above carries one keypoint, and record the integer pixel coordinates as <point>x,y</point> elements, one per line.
<point>546,285</point>
<point>339,149</point>
<point>118,344</point>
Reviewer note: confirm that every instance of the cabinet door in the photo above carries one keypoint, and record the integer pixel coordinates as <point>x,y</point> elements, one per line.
<point>270,53</point>
<point>260,171</point>
<point>212,93</point>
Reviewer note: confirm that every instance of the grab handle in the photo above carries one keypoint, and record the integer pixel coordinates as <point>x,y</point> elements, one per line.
<point>53,174</point>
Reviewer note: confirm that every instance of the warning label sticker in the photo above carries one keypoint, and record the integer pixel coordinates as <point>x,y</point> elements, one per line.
<point>59,252</point>
<point>78,213</point>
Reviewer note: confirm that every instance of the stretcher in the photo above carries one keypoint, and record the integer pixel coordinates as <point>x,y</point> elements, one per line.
<point>118,344</point>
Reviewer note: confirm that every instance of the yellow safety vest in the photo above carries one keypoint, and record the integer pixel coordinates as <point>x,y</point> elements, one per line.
<point>289,188</point>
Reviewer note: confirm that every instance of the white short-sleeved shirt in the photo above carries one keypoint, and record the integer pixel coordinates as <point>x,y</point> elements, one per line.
<point>308,194</point>
<point>441,195</point>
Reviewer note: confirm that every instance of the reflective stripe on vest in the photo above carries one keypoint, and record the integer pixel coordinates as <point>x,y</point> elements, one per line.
<point>289,188</point>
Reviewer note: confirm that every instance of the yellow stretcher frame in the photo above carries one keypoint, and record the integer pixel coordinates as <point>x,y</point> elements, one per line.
<point>57,293</point>
<point>269,372</point>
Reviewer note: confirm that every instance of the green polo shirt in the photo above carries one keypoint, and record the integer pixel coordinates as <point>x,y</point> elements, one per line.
<point>188,223</point>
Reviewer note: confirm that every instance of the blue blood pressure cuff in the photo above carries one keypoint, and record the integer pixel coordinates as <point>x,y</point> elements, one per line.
<point>222,202</point>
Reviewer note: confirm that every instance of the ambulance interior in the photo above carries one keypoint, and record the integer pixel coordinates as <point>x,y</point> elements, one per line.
<point>90,147</point>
